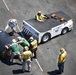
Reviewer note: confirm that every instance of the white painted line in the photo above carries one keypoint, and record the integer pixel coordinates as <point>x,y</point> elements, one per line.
<point>39,65</point>
<point>5,5</point>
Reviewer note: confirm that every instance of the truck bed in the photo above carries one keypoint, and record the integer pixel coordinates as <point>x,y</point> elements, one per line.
<point>48,23</point>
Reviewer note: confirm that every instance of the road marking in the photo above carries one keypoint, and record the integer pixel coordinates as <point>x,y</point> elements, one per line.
<point>39,65</point>
<point>10,12</point>
<point>5,5</point>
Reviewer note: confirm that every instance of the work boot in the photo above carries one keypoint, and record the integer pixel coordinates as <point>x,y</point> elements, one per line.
<point>58,72</point>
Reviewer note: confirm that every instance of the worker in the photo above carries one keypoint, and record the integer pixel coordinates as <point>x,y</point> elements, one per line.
<point>23,42</point>
<point>26,57</point>
<point>40,17</point>
<point>61,60</point>
<point>33,46</point>
<point>15,50</point>
<point>12,23</point>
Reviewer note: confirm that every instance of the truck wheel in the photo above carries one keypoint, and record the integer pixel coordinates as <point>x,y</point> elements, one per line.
<point>64,31</point>
<point>45,37</point>
<point>3,54</point>
<point>8,54</point>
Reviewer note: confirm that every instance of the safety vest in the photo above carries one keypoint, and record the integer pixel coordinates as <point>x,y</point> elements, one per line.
<point>62,57</point>
<point>14,47</point>
<point>34,45</point>
<point>24,42</point>
<point>39,18</point>
<point>26,55</point>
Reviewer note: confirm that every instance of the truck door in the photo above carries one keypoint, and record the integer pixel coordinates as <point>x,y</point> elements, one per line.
<point>56,30</point>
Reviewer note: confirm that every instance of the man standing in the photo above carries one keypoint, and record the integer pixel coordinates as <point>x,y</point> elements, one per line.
<point>26,57</point>
<point>61,60</point>
<point>15,50</point>
<point>33,46</point>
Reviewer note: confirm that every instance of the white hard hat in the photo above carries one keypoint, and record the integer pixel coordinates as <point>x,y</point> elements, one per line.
<point>39,12</point>
<point>19,38</point>
<point>62,50</point>
<point>14,40</point>
<point>31,38</point>
<point>14,21</point>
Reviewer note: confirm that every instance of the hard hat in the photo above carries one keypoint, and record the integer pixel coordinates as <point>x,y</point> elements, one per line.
<point>62,50</point>
<point>31,38</point>
<point>19,38</point>
<point>14,40</point>
<point>39,12</point>
<point>26,48</point>
<point>14,21</point>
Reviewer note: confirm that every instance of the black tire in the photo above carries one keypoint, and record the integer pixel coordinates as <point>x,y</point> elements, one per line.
<point>8,53</point>
<point>46,37</point>
<point>3,54</point>
<point>64,31</point>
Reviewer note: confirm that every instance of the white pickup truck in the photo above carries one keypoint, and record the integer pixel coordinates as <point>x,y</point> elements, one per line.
<point>43,31</point>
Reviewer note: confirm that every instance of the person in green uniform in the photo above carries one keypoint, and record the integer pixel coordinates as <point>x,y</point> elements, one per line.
<point>15,50</point>
<point>23,42</point>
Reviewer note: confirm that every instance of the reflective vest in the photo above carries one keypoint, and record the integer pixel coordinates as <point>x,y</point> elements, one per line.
<point>39,18</point>
<point>26,55</point>
<point>34,44</point>
<point>14,47</point>
<point>62,57</point>
<point>24,42</point>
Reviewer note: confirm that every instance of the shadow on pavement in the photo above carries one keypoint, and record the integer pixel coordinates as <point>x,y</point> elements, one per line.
<point>5,61</point>
<point>17,71</point>
<point>53,72</point>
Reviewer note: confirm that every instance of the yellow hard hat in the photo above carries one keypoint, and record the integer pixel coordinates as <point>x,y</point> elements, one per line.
<point>26,48</point>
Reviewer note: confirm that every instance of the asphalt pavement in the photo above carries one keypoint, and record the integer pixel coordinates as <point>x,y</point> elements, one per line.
<point>47,54</point>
